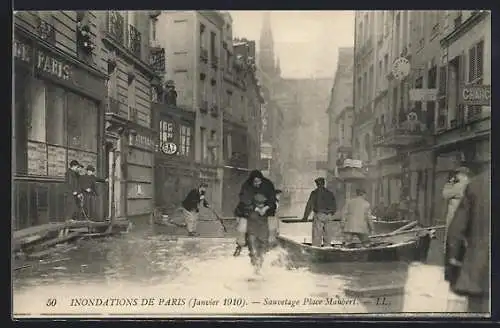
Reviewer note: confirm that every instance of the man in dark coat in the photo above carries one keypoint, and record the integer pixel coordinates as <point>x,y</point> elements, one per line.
<point>322,203</point>
<point>88,184</point>
<point>73,191</point>
<point>190,207</point>
<point>257,225</point>
<point>467,251</point>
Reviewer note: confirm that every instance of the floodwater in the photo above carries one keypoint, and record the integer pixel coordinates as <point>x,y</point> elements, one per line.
<point>146,273</point>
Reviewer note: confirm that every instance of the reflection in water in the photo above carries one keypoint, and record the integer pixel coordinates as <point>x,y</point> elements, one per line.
<point>147,265</point>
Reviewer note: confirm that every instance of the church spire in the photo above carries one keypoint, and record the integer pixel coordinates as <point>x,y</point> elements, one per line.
<point>278,67</point>
<point>266,44</point>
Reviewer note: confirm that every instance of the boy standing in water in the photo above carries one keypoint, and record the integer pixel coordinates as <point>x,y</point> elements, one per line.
<point>89,190</point>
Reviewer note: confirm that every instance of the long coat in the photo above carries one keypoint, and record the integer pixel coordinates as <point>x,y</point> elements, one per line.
<point>468,240</point>
<point>248,191</point>
<point>72,185</point>
<point>357,216</point>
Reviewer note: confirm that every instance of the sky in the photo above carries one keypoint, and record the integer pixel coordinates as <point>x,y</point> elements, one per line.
<point>305,41</point>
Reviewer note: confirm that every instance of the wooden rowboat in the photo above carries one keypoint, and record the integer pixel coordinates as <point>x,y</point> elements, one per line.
<point>381,225</point>
<point>407,246</point>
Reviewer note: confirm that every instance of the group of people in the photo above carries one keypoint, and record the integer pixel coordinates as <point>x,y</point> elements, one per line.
<point>353,224</point>
<point>255,212</point>
<point>467,247</point>
<point>81,191</point>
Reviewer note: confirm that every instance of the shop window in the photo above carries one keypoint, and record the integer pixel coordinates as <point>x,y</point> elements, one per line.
<point>55,120</point>
<point>21,94</point>
<point>82,123</point>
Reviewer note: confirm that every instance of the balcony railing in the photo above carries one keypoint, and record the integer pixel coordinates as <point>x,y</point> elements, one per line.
<point>204,55</point>
<point>405,134</point>
<point>46,30</point>
<point>157,59</point>
<point>116,24</point>
<point>134,40</point>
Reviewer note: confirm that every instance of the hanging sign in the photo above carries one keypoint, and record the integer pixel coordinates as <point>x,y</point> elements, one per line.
<point>475,95</point>
<point>401,68</point>
<point>423,94</point>
<point>169,148</point>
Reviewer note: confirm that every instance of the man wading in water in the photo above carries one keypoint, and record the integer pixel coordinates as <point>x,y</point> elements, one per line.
<point>255,210</point>
<point>190,207</point>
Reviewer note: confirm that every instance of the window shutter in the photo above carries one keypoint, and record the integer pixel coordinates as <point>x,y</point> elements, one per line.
<point>472,64</point>
<point>479,59</point>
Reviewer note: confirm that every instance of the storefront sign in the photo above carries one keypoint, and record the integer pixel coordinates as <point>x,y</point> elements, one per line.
<point>44,62</point>
<point>475,95</point>
<point>144,141</point>
<point>169,148</point>
<point>423,94</point>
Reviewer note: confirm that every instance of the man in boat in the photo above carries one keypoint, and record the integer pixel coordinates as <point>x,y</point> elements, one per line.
<point>190,207</point>
<point>357,219</point>
<point>467,250</point>
<point>72,191</point>
<point>322,202</point>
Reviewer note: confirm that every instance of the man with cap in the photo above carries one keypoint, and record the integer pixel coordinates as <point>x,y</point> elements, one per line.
<point>89,190</point>
<point>322,203</point>
<point>72,191</point>
<point>190,207</point>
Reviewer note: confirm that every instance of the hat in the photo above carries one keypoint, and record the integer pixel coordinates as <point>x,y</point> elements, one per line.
<point>463,169</point>
<point>74,163</point>
<point>259,198</point>
<point>320,181</point>
<point>90,168</point>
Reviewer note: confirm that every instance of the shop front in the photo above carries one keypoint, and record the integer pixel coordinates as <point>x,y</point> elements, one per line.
<point>139,171</point>
<point>175,172</point>
<point>58,117</point>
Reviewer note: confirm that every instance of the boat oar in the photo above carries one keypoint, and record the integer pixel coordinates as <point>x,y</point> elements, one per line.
<point>406,226</point>
<point>390,234</point>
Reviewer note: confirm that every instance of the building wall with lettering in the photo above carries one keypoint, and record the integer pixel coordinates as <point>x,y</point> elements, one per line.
<point>60,93</point>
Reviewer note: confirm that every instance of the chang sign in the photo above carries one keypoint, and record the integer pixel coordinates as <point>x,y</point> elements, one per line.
<point>475,95</point>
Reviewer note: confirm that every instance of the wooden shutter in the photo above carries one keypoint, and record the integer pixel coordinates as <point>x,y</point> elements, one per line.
<point>479,59</point>
<point>472,64</point>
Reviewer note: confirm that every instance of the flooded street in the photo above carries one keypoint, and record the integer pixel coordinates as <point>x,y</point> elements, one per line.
<point>150,274</point>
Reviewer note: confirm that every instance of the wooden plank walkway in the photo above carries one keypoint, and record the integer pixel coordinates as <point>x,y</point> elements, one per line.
<point>44,229</point>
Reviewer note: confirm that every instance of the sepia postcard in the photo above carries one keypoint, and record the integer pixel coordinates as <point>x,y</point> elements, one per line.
<point>214,163</point>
